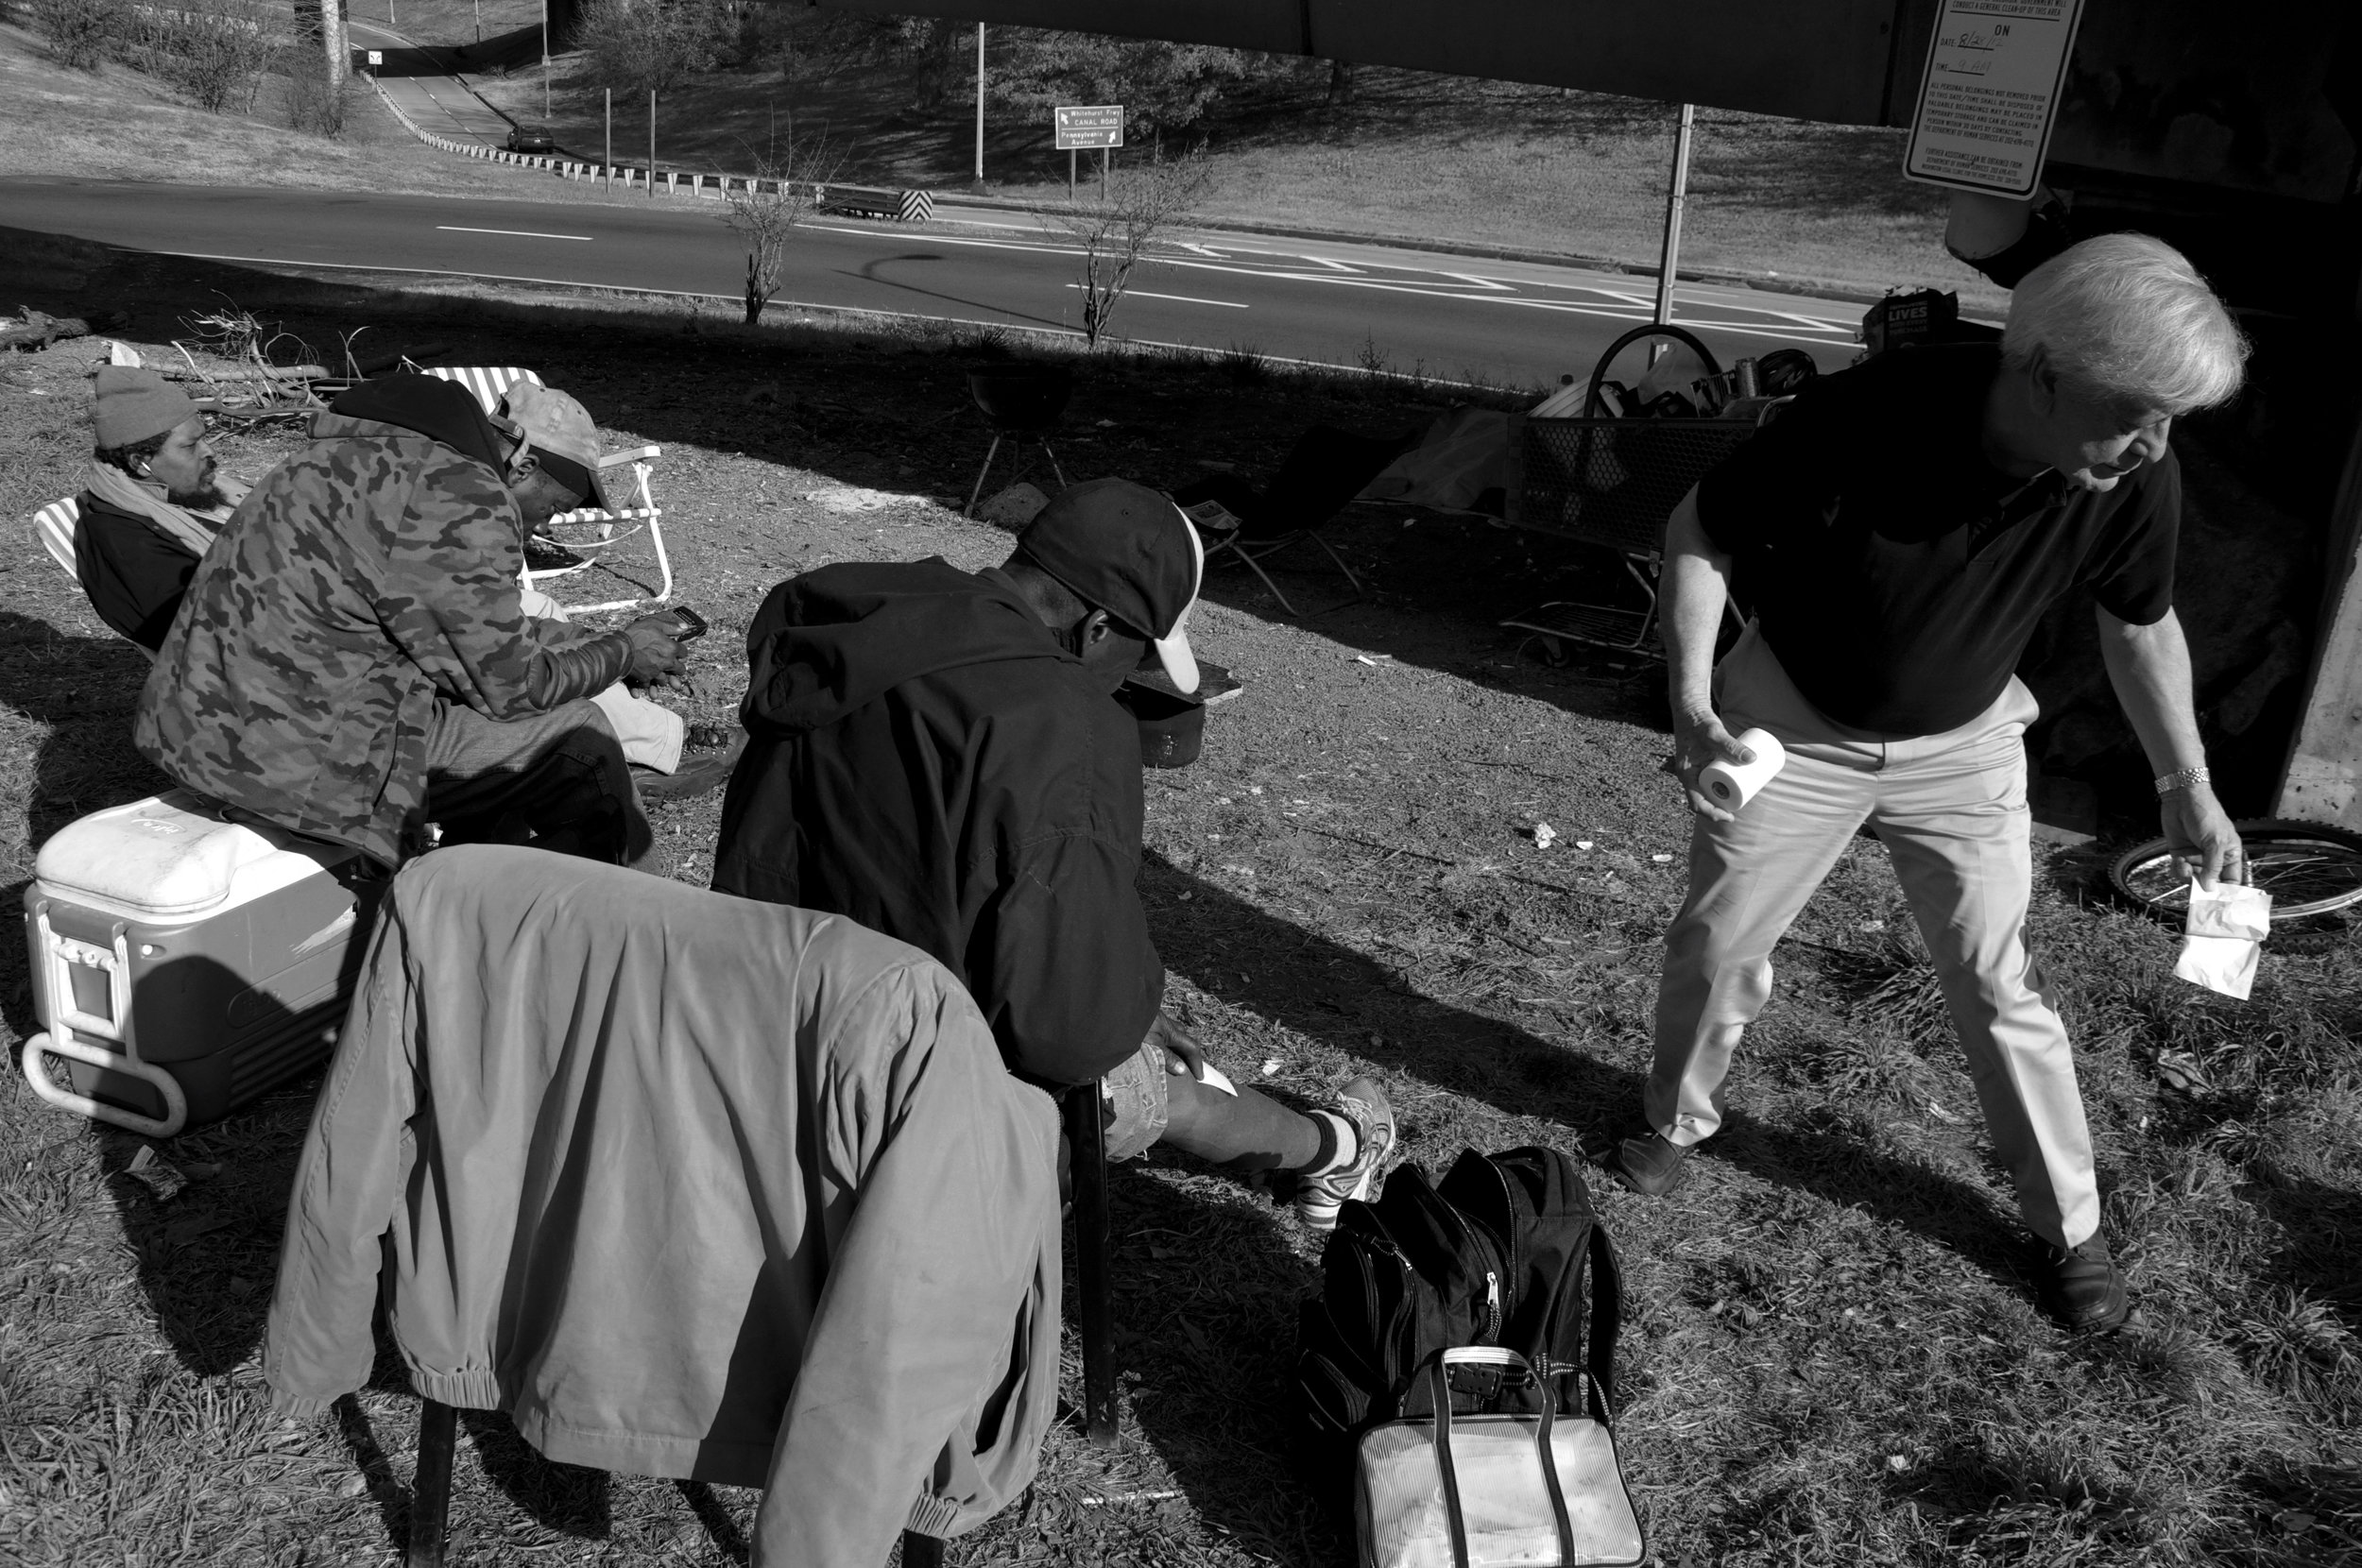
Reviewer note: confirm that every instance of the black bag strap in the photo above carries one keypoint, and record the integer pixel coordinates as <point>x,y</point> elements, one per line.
<point>1608,1320</point>
<point>1439,1377</point>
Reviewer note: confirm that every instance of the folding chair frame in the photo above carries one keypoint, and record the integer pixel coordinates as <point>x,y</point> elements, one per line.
<point>489,385</point>
<point>1253,559</point>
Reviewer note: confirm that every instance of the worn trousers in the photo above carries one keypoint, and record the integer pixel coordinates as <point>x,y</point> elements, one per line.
<point>1951,809</point>
<point>652,735</point>
<point>555,780</point>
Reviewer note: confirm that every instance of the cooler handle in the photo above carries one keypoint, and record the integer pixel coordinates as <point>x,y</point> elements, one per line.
<point>63,1043</point>
<point>60,953</point>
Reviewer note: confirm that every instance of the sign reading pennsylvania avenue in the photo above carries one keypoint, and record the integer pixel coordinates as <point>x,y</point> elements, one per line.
<point>1089,126</point>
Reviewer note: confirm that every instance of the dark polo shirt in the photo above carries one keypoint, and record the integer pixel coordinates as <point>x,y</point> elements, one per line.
<point>1895,572</point>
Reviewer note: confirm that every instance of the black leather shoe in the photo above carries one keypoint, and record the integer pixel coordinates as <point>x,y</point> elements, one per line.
<point>2081,1286</point>
<point>1649,1163</point>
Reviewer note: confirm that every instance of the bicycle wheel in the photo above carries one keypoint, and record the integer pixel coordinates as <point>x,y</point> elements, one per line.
<point>2307,868</point>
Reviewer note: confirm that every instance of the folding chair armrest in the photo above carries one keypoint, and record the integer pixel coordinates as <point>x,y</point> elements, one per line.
<point>636,455</point>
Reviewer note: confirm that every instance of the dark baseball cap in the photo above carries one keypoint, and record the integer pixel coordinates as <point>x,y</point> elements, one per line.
<point>1122,548</point>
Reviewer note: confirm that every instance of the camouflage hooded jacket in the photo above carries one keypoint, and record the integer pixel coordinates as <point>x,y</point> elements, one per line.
<point>363,581</point>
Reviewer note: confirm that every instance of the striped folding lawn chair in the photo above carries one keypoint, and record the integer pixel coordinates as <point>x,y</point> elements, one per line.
<point>54,526</point>
<point>589,531</point>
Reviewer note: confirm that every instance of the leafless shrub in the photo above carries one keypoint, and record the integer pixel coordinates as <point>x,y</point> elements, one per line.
<point>649,45</point>
<point>82,34</point>
<point>768,209</point>
<point>216,51</point>
<point>314,102</point>
<point>1144,201</point>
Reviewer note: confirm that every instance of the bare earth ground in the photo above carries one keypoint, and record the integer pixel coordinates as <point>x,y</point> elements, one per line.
<point>1831,1356</point>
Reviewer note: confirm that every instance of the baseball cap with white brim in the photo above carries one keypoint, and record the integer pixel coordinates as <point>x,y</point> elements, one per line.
<point>563,435</point>
<point>1123,548</point>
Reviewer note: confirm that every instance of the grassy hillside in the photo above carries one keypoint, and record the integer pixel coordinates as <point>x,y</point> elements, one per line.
<point>117,124</point>
<point>1415,155</point>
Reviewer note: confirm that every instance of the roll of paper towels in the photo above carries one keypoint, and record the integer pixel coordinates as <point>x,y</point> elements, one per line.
<point>1732,785</point>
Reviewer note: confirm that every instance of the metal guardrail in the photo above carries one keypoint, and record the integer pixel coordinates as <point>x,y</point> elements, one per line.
<point>900,206</point>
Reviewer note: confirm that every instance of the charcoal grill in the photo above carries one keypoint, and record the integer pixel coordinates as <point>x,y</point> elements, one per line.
<point>1024,403</point>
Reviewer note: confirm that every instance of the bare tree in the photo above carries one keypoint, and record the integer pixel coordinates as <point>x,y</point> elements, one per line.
<point>1145,202</point>
<point>768,209</point>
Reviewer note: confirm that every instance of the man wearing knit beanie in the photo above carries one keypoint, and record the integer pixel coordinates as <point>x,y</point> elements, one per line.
<point>151,503</point>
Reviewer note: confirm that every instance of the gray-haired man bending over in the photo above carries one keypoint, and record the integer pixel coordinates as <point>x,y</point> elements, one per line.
<point>1898,534</point>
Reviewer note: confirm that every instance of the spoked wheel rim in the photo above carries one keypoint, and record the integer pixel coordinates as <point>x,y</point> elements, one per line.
<point>2308,869</point>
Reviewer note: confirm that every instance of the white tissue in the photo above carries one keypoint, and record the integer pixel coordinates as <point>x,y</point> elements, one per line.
<point>1732,785</point>
<point>2224,930</point>
<point>1214,1077</point>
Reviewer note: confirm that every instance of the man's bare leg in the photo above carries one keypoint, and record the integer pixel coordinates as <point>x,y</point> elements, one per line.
<point>1252,1132</point>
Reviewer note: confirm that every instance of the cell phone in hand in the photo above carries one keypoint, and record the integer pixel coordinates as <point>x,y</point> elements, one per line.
<point>692,625</point>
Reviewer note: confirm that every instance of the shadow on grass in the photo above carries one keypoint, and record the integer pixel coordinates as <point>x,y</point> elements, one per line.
<point>1334,994</point>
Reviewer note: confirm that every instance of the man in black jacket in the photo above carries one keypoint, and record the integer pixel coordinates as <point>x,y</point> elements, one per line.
<point>938,756</point>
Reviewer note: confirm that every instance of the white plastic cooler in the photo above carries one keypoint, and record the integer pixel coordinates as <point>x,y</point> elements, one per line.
<point>184,963</point>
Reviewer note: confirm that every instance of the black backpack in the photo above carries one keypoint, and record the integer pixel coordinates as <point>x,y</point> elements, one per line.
<point>1495,1256</point>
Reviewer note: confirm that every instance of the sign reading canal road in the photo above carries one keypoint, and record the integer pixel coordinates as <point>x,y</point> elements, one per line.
<point>1991,93</point>
<point>1089,126</point>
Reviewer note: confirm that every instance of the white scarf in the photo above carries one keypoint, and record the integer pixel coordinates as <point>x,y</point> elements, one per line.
<point>192,530</point>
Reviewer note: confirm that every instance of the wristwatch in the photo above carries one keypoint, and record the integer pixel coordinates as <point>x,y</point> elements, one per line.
<point>2182,778</point>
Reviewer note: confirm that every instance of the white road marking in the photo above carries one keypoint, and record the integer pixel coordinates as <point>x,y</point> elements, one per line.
<point>1177,298</point>
<point>1323,261</point>
<point>1482,282</point>
<point>519,233</point>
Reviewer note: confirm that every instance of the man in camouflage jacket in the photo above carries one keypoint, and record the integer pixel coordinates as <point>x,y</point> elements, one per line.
<point>352,659</point>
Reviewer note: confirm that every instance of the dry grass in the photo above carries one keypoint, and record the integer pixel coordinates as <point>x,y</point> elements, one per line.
<point>120,124</point>
<point>1417,156</point>
<point>1832,1358</point>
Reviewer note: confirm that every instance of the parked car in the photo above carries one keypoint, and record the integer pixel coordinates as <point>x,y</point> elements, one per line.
<point>530,139</point>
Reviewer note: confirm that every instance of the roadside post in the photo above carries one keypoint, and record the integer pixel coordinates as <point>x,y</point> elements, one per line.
<point>1078,126</point>
<point>651,144</point>
<point>545,62</point>
<point>1675,199</point>
<point>979,108</point>
<point>608,162</point>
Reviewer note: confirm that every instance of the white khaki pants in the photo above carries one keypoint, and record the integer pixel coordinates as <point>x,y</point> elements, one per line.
<point>651,733</point>
<point>1951,811</point>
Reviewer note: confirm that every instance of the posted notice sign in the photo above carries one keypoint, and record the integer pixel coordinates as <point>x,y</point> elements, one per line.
<point>1991,93</point>
<point>1089,126</point>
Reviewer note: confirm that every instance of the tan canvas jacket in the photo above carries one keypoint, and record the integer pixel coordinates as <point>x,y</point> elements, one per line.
<point>691,1186</point>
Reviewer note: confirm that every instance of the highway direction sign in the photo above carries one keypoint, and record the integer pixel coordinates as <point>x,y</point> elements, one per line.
<point>1089,126</point>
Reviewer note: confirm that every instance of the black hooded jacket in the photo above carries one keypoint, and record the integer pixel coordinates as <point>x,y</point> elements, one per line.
<point>925,758</point>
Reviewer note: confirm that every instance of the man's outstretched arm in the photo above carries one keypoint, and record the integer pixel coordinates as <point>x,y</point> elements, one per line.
<point>2149,668</point>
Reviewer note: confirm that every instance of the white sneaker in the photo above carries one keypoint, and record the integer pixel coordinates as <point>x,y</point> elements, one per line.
<point>1321,1194</point>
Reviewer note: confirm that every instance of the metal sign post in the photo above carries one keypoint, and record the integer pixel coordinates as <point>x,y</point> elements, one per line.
<point>545,62</point>
<point>608,162</point>
<point>651,144</point>
<point>1078,126</point>
<point>377,59</point>
<point>980,105</point>
<point>1675,199</point>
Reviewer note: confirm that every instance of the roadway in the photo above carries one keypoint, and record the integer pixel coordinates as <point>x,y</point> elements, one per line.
<point>1448,318</point>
